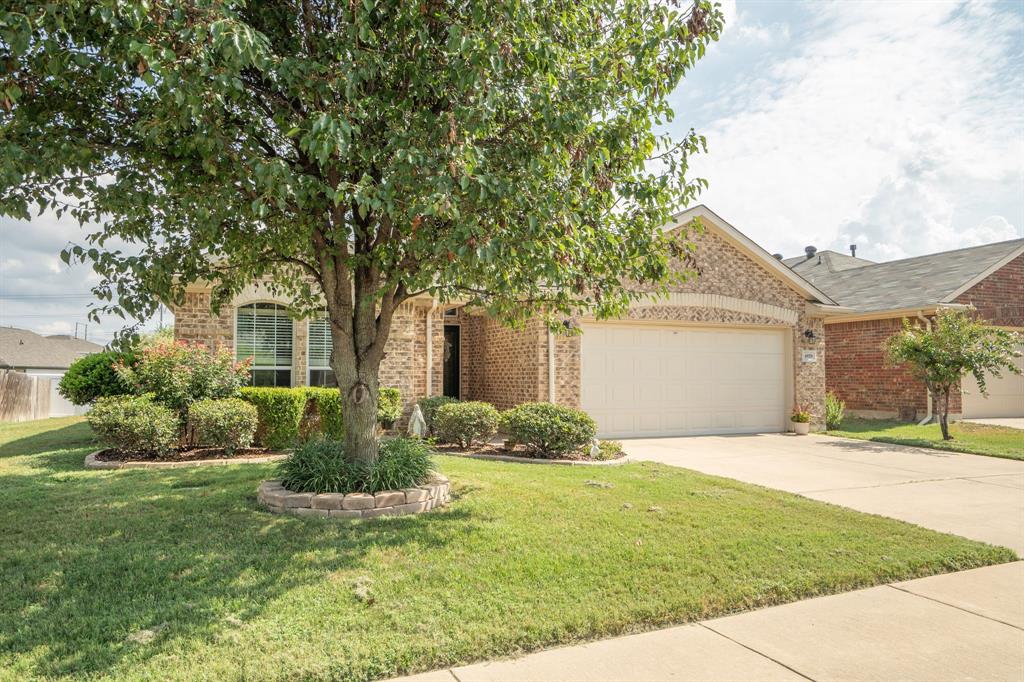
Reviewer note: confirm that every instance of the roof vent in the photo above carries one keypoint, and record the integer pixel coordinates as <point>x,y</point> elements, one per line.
<point>810,251</point>
<point>853,250</point>
<point>777,256</point>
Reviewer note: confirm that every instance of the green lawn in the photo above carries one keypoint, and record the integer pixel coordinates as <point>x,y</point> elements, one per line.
<point>176,573</point>
<point>975,439</point>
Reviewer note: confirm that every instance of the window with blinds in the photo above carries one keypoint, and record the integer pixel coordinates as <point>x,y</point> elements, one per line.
<point>263,332</point>
<point>319,353</point>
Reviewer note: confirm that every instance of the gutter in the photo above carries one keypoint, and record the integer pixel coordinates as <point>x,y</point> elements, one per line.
<point>928,394</point>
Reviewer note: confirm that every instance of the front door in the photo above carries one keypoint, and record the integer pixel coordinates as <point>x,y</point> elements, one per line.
<point>451,360</point>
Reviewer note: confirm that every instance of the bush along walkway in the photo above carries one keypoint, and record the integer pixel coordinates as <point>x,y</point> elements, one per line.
<point>131,573</point>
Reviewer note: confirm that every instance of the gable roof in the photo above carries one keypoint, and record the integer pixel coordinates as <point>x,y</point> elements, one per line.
<point>921,281</point>
<point>827,261</point>
<point>745,244</point>
<point>22,348</point>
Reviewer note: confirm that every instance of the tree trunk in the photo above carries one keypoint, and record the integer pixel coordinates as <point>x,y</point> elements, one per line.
<point>359,386</point>
<point>944,415</point>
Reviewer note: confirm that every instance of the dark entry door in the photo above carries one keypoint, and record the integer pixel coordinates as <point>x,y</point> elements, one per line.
<point>451,360</point>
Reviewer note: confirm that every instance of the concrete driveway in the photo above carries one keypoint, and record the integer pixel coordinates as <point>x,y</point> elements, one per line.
<point>1009,422</point>
<point>977,497</point>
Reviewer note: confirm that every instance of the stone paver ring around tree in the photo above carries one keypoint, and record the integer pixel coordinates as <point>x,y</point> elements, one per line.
<point>278,499</point>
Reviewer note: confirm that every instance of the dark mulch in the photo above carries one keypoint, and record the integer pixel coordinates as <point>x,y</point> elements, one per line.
<point>187,454</point>
<point>499,448</point>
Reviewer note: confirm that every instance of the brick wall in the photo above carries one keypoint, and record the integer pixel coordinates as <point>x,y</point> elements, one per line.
<point>860,374</point>
<point>504,366</point>
<point>999,297</point>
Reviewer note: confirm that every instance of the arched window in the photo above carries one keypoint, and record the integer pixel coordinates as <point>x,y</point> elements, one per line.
<point>319,353</point>
<point>263,332</point>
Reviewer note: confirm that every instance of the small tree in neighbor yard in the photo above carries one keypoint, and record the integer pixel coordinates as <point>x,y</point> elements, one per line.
<point>356,154</point>
<point>954,345</point>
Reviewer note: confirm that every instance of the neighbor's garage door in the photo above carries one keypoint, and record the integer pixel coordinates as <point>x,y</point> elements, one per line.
<point>1005,395</point>
<point>640,380</point>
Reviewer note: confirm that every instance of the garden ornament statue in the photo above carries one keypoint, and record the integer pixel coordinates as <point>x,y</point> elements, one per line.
<point>595,448</point>
<point>417,425</point>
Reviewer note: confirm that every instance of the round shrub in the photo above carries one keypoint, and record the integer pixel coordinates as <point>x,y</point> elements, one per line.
<point>93,376</point>
<point>320,466</point>
<point>401,463</point>
<point>429,406</point>
<point>134,424</point>
<point>547,429</point>
<point>280,414</point>
<point>389,406</point>
<point>465,423</point>
<point>229,423</point>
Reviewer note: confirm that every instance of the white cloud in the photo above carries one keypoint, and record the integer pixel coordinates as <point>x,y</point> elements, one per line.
<point>898,125</point>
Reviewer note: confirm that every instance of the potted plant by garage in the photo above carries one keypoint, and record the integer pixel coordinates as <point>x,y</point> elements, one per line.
<point>801,419</point>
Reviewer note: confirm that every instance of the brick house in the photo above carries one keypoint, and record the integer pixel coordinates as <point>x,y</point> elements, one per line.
<point>729,352</point>
<point>990,278</point>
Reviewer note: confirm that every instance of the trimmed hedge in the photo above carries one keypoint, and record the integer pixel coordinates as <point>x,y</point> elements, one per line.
<point>134,424</point>
<point>288,416</point>
<point>547,429</point>
<point>93,376</point>
<point>465,423</point>
<point>279,411</point>
<point>229,423</point>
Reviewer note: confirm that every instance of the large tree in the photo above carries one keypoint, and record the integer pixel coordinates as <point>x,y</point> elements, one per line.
<point>355,153</point>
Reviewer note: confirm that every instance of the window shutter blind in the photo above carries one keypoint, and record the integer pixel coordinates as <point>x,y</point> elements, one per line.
<point>319,343</point>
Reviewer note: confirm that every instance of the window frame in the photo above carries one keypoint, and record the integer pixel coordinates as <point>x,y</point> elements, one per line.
<point>310,368</point>
<point>274,368</point>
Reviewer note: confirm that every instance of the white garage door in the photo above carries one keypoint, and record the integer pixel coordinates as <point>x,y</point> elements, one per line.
<point>1005,395</point>
<point>640,380</point>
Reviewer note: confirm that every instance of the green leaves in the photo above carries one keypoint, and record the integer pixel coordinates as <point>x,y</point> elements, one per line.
<point>502,152</point>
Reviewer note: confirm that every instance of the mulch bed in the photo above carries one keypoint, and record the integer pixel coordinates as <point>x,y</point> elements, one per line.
<point>189,454</point>
<point>496,449</point>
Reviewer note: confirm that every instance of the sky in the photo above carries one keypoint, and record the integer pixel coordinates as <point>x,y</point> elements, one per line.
<point>895,126</point>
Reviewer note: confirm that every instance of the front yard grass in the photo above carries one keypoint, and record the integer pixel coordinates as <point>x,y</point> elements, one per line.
<point>973,439</point>
<point>177,574</point>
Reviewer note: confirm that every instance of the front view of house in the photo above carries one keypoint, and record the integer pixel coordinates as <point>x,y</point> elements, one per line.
<point>731,351</point>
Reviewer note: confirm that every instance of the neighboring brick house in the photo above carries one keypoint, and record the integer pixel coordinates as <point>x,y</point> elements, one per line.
<point>990,278</point>
<point>729,352</point>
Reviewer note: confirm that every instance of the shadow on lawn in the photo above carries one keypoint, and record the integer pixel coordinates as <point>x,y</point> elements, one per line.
<point>91,560</point>
<point>66,437</point>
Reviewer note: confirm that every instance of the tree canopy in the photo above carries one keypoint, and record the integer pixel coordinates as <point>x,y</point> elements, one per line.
<point>356,153</point>
<point>954,345</point>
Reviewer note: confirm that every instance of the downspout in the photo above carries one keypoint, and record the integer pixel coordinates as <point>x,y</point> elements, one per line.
<point>551,366</point>
<point>430,349</point>
<point>928,394</point>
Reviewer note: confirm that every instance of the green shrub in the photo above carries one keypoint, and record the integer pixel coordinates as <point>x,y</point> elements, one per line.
<point>834,411</point>
<point>323,414</point>
<point>93,376</point>
<point>609,449</point>
<point>547,429</point>
<point>280,412</point>
<point>320,466</point>
<point>389,406</point>
<point>229,423</point>
<point>134,424</point>
<point>402,463</point>
<point>428,406</point>
<point>465,423</point>
<point>178,373</point>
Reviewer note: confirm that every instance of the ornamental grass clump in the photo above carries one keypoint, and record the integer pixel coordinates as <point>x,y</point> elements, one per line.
<point>321,466</point>
<point>547,429</point>
<point>466,423</point>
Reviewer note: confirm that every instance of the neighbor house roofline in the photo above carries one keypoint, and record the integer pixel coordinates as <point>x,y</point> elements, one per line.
<point>752,249</point>
<point>974,281</point>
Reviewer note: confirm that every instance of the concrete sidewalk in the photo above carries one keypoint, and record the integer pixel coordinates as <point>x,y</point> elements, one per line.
<point>958,626</point>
